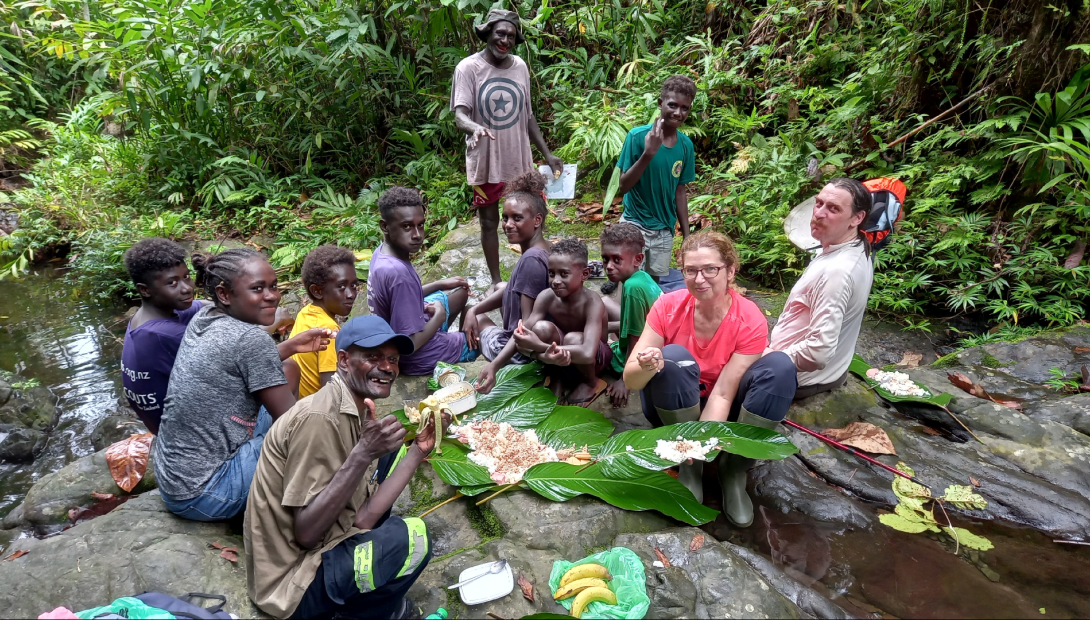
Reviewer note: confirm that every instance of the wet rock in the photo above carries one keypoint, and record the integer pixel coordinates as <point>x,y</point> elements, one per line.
<point>572,528</point>
<point>13,519</point>
<point>1034,473</point>
<point>1032,359</point>
<point>807,599</point>
<point>20,444</point>
<point>5,391</point>
<point>50,499</point>
<point>34,408</point>
<point>1073,411</point>
<point>786,485</point>
<point>460,254</point>
<point>138,547</point>
<point>114,428</point>
<point>725,586</point>
<point>884,343</point>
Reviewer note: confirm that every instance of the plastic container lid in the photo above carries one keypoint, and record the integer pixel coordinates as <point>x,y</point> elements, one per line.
<point>487,588</point>
<point>461,405</point>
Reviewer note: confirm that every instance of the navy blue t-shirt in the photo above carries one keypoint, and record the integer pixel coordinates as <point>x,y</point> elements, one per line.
<point>147,359</point>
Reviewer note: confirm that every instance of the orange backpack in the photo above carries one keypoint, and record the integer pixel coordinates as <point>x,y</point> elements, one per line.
<point>888,198</point>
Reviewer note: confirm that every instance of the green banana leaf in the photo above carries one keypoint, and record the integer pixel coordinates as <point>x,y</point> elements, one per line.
<point>526,410</point>
<point>650,491</point>
<point>510,382</point>
<point>859,368</point>
<point>455,468</point>
<point>618,462</point>
<point>574,426</point>
<point>611,190</point>
<point>476,490</point>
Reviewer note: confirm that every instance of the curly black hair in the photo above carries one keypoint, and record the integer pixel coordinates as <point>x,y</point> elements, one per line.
<point>528,188</point>
<point>319,263</point>
<point>397,196</point>
<point>624,235</point>
<point>572,248</point>
<point>679,84</point>
<point>215,269</point>
<point>151,255</point>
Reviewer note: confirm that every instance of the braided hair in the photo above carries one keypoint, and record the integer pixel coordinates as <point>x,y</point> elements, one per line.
<point>215,269</point>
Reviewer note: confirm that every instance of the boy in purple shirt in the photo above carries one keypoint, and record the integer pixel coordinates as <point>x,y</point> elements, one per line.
<point>157,268</point>
<point>395,293</point>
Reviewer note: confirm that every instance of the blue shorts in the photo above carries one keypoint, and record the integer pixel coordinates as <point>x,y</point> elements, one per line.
<point>225,494</point>
<point>468,355</point>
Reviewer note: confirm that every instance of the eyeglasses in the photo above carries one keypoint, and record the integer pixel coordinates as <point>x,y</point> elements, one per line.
<point>709,272</point>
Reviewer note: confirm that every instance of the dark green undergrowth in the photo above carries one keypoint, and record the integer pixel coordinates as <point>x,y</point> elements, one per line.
<point>287,119</point>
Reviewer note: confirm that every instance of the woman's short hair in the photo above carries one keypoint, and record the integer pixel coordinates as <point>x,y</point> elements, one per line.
<point>713,241</point>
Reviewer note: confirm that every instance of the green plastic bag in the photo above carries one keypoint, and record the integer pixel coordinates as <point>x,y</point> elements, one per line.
<point>128,607</point>
<point>629,583</point>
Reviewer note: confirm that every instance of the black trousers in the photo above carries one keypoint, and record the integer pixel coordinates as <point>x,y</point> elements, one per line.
<point>766,389</point>
<point>367,575</point>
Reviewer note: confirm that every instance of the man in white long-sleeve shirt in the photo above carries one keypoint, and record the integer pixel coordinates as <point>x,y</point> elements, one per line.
<point>820,322</point>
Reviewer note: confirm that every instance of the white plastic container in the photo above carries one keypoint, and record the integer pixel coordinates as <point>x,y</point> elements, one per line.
<point>462,405</point>
<point>487,588</point>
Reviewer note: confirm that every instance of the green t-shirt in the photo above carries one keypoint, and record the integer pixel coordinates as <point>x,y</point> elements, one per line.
<point>638,294</point>
<point>650,203</point>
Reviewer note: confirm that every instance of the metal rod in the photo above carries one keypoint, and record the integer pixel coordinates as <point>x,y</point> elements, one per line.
<point>853,452</point>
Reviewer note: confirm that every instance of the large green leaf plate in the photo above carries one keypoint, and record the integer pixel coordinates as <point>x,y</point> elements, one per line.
<point>650,491</point>
<point>630,453</point>
<point>859,368</point>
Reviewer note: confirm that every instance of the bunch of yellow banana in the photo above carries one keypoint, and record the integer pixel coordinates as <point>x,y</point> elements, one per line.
<point>587,583</point>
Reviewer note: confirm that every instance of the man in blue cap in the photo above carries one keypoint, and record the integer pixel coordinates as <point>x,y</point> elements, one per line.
<point>320,541</point>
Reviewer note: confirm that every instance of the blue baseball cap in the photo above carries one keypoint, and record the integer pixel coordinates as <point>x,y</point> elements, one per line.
<point>369,331</point>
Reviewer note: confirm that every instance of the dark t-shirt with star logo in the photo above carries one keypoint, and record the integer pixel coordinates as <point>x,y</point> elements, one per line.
<point>498,99</point>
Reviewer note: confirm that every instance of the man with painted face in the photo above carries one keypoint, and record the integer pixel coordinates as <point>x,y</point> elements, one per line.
<point>319,538</point>
<point>490,97</point>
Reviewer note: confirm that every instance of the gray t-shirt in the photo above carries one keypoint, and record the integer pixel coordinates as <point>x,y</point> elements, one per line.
<point>211,408</point>
<point>498,99</point>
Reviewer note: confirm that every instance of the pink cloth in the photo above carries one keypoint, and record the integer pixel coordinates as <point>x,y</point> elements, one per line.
<point>60,612</point>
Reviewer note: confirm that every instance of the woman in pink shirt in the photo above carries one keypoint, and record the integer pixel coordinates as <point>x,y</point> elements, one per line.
<point>699,358</point>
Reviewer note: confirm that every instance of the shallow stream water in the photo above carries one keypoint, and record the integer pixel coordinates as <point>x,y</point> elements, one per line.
<point>73,345</point>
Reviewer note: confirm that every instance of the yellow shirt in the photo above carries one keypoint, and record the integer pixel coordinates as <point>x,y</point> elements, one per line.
<point>311,365</point>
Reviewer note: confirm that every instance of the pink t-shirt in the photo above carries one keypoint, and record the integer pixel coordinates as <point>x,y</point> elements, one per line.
<point>744,330</point>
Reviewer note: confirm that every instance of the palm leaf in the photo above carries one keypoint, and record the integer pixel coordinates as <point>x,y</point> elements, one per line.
<point>859,368</point>
<point>510,382</point>
<point>611,190</point>
<point>632,453</point>
<point>560,482</point>
<point>570,427</point>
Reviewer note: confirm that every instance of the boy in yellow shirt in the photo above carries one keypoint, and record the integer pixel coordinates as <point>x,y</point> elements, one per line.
<point>329,275</point>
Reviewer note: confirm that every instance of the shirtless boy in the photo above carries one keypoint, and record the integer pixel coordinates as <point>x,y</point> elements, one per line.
<point>568,324</point>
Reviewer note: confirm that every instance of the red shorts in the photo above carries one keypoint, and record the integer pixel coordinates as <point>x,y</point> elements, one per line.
<point>487,194</point>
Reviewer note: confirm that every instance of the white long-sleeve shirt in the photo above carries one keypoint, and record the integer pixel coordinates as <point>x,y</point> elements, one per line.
<point>820,322</point>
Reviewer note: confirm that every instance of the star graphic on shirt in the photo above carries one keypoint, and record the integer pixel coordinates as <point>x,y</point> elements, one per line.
<point>499,104</point>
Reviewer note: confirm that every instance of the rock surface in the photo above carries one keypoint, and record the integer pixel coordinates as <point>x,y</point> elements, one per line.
<point>138,547</point>
<point>20,444</point>
<point>114,428</point>
<point>34,408</point>
<point>50,499</point>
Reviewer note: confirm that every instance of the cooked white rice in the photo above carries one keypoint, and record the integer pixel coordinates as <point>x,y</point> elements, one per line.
<point>683,449</point>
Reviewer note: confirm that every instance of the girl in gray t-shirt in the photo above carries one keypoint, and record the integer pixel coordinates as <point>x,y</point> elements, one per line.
<point>227,379</point>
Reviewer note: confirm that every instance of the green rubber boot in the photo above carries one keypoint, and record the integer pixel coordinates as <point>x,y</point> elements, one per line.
<point>692,476</point>
<point>734,473</point>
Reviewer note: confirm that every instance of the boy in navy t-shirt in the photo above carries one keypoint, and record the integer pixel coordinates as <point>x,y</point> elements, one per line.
<point>157,268</point>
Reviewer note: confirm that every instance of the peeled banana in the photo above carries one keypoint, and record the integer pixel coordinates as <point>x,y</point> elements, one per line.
<point>588,596</point>
<point>585,571</point>
<point>430,407</point>
<point>578,586</point>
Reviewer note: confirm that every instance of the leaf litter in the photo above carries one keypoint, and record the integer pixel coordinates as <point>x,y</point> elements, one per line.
<point>128,460</point>
<point>965,383</point>
<point>527,588</point>
<point>911,515</point>
<point>863,435</point>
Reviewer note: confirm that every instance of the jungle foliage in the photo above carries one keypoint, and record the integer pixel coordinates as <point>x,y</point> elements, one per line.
<point>239,117</point>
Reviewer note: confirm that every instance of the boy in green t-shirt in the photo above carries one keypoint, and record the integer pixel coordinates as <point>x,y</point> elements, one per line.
<point>622,255</point>
<point>656,163</point>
